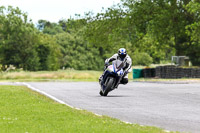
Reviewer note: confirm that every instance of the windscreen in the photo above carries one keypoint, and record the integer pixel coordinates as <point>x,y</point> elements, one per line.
<point>118,65</point>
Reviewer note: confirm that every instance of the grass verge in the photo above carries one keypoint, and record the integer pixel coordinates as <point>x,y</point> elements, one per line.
<point>65,75</point>
<point>70,75</point>
<point>25,111</point>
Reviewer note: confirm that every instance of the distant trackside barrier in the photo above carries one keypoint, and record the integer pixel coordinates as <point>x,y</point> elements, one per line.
<point>168,72</point>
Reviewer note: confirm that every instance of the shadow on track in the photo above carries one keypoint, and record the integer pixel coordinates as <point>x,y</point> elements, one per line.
<point>113,96</point>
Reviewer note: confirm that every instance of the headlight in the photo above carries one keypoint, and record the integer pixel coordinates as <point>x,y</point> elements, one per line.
<point>110,68</point>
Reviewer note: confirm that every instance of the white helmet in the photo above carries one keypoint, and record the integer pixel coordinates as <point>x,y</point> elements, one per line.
<point>122,53</point>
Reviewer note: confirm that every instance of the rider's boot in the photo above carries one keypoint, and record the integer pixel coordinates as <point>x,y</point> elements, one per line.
<point>124,81</point>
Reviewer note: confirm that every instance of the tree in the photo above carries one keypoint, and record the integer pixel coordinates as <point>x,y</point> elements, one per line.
<point>193,31</point>
<point>107,31</point>
<point>48,27</point>
<point>76,54</point>
<point>23,46</point>
<point>161,21</point>
<point>49,53</point>
<point>18,39</point>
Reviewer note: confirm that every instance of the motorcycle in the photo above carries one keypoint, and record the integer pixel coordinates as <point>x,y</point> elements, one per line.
<point>112,77</point>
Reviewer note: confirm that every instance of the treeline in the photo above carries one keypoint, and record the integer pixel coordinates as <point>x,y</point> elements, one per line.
<point>49,46</point>
<point>152,31</point>
<point>158,28</point>
<point>23,46</point>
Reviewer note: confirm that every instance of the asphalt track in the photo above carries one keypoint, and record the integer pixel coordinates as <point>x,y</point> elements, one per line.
<point>171,106</point>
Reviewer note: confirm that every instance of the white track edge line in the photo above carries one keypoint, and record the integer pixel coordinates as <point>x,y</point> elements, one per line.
<point>52,97</point>
<point>48,95</point>
<point>62,102</point>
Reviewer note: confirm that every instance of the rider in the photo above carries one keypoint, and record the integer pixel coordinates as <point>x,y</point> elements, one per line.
<point>123,56</point>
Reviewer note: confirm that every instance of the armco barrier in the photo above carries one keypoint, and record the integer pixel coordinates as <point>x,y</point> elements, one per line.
<point>171,72</point>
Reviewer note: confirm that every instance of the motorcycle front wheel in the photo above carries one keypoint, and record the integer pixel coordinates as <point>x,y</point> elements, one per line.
<point>108,85</point>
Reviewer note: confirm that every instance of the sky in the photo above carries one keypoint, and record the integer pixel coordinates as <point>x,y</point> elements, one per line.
<point>54,10</point>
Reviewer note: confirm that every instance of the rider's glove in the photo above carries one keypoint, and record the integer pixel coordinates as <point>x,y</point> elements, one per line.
<point>106,64</point>
<point>125,72</point>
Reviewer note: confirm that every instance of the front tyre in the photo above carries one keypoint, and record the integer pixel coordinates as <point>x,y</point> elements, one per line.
<point>101,93</point>
<point>109,84</point>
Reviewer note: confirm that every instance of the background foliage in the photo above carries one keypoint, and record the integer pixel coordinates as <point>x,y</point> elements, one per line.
<point>151,31</point>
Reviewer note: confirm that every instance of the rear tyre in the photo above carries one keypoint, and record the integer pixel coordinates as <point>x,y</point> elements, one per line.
<point>108,86</point>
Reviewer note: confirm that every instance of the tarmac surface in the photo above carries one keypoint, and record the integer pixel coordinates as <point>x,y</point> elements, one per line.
<point>171,106</point>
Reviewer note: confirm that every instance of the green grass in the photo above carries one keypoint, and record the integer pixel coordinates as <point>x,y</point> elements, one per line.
<point>69,75</point>
<point>61,75</point>
<point>25,111</point>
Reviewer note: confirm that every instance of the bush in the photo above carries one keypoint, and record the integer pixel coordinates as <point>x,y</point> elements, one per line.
<point>142,59</point>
